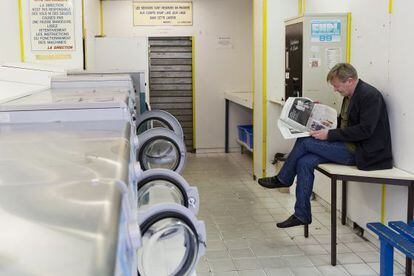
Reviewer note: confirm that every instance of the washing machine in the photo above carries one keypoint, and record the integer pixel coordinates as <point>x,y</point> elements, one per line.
<point>138,80</point>
<point>99,153</point>
<point>68,201</point>
<point>173,240</point>
<point>145,119</point>
<point>158,147</point>
<point>65,228</point>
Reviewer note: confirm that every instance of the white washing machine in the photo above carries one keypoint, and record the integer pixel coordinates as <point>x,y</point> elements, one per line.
<point>161,148</point>
<point>65,228</point>
<point>65,205</point>
<point>132,81</point>
<point>173,240</point>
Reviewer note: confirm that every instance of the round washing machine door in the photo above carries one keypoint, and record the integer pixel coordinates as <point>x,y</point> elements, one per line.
<point>161,148</point>
<point>165,186</point>
<point>158,118</point>
<point>173,240</point>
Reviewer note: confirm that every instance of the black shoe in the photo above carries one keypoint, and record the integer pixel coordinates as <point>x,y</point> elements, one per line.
<point>271,182</point>
<point>290,222</point>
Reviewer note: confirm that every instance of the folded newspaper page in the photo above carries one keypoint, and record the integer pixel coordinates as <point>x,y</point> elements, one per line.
<point>301,115</point>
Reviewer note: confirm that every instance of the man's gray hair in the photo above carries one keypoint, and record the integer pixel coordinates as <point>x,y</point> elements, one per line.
<point>342,72</point>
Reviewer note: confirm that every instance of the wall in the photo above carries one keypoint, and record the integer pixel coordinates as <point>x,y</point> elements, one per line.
<point>9,30</point>
<point>92,29</point>
<point>217,69</point>
<point>278,12</point>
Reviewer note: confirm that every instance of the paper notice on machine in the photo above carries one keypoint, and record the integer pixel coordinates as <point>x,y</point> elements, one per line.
<point>301,115</point>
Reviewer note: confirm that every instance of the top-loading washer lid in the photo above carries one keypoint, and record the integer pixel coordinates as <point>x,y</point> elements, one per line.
<point>161,148</point>
<point>173,240</point>
<point>158,118</point>
<point>165,186</point>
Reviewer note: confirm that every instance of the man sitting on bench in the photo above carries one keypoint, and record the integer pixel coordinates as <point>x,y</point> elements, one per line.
<point>363,139</point>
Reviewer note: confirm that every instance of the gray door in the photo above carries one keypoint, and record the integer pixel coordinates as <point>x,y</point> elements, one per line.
<point>170,67</point>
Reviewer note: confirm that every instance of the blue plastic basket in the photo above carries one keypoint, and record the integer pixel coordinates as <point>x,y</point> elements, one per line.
<point>246,134</point>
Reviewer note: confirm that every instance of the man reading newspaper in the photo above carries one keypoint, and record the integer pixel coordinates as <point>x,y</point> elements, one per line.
<point>362,139</point>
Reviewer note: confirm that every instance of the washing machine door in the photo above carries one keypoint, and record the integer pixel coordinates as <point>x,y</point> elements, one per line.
<point>161,148</point>
<point>165,186</point>
<point>158,118</point>
<point>173,240</point>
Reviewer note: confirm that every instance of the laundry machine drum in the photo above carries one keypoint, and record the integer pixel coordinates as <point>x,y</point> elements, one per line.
<point>160,191</point>
<point>170,246</point>
<point>166,186</point>
<point>161,148</point>
<point>158,118</point>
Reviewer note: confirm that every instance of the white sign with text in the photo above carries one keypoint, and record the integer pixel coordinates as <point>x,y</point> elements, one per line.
<point>163,13</point>
<point>52,26</point>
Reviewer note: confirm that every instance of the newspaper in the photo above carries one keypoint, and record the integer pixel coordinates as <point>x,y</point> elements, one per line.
<point>301,115</point>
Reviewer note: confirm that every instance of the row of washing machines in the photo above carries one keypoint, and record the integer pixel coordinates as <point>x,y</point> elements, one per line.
<point>89,185</point>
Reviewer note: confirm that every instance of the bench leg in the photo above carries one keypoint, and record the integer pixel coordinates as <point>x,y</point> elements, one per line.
<point>386,259</point>
<point>344,200</point>
<point>226,127</point>
<point>410,205</point>
<point>333,221</point>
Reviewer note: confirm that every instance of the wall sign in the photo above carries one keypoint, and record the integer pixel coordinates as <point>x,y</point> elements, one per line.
<point>163,13</point>
<point>326,30</point>
<point>52,26</point>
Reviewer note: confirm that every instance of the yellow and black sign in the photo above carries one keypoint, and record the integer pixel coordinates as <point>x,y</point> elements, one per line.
<point>163,13</point>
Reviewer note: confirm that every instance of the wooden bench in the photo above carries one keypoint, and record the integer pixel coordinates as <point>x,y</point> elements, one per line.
<point>402,239</point>
<point>350,173</point>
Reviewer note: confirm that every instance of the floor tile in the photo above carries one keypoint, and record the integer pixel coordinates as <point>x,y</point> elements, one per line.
<point>359,269</point>
<point>329,270</point>
<point>279,272</point>
<point>222,265</point>
<point>247,263</point>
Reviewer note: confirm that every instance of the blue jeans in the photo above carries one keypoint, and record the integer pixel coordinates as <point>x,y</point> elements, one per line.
<point>305,156</point>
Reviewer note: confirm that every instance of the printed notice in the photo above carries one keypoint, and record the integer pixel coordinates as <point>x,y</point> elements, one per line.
<point>326,30</point>
<point>52,25</point>
<point>333,56</point>
<point>224,42</point>
<point>163,13</point>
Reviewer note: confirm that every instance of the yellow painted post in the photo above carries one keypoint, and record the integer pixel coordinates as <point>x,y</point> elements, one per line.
<point>101,16</point>
<point>193,74</point>
<point>264,84</point>
<point>85,52</point>
<point>21,36</point>
<point>390,6</point>
<point>348,37</point>
<point>383,202</point>
<point>301,7</point>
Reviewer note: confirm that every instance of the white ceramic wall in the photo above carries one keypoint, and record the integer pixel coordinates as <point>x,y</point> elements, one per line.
<point>217,69</point>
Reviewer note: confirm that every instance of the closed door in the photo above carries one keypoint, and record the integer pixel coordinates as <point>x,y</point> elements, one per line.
<point>171,83</point>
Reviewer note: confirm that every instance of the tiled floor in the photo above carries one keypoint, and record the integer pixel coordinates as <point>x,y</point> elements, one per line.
<point>242,238</point>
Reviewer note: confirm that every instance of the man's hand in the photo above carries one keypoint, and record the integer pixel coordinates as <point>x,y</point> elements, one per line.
<point>320,134</point>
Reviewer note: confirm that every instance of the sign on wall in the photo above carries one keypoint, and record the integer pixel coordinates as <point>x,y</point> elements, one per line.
<point>163,13</point>
<point>326,30</point>
<point>52,26</point>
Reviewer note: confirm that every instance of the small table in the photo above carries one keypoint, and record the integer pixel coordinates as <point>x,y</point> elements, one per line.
<point>243,98</point>
<point>350,173</point>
